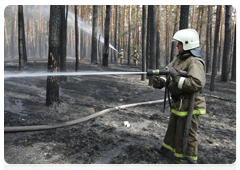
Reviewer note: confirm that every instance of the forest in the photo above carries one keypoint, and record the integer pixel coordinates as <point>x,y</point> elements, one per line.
<point>82,38</point>
<point>125,32</point>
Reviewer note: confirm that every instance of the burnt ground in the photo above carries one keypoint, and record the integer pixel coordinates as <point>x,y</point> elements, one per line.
<point>105,139</point>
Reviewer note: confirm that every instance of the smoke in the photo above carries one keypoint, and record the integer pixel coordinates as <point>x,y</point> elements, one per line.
<point>37,38</point>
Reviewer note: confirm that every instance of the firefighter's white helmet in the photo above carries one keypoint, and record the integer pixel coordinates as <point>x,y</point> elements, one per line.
<point>189,38</point>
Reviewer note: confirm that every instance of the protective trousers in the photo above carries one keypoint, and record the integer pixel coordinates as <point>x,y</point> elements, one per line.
<point>135,62</point>
<point>173,141</point>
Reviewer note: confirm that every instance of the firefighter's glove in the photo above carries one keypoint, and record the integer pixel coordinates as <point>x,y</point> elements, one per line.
<point>175,74</point>
<point>158,82</point>
<point>173,88</point>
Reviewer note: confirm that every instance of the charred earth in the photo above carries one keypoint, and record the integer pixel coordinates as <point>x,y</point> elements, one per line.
<point>105,139</point>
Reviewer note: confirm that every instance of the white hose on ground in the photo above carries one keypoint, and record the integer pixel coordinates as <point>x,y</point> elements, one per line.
<point>69,123</point>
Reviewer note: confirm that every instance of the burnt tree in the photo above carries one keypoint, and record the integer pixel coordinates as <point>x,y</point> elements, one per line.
<point>184,17</point>
<point>148,40</point>
<point>158,38</point>
<point>20,37</point>
<point>52,94</point>
<point>208,39</point>
<point>233,76</point>
<point>106,36</point>
<point>76,40</point>
<point>216,39</point>
<point>227,44</point>
<point>94,34</point>
<point>144,36</point>
<point>153,39</point>
<point>63,53</point>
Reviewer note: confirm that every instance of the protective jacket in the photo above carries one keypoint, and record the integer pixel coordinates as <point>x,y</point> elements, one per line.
<point>121,55</point>
<point>135,56</point>
<point>194,82</point>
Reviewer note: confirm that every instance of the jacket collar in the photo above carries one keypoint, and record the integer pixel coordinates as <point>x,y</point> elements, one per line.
<point>184,56</point>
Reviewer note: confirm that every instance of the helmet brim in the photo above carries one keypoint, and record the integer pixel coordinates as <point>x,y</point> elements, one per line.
<point>174,40</point>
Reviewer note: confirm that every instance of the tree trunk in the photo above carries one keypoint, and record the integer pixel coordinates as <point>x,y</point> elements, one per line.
<point>158,37</point>
<point>12,45</point>
<point>119,27</point>
<point>24,41</point>
<point>153,32</point>
<point>115,31</point>
<point>89,40</point>
<point>148,40</point>
<point>193,15</point>
<point>94,34</point>
<point>129,35</point>
<point>199,16</point>
<point>52,94</point>
<point>227,44</point>
<point>103,17</point>
<point>111,32</point>
<point>201,23</point>
<point>233,76</point>
<point>220,45</point>
<point>184,17</point>
<point>211,38</point>
<point>63,53</point>
<point>216,39</point>
<point>79,30</point>
<point>36,40</point>
<point>144,36</point>
<point>208,39</point>
<point>167,35</point>
<point>100,60</point>
<point>82,35</point>
<point>137,32</point>
<point>76,40</point>
<point>106,36</point>
<point>124,26</point>
<point>6,45</point>
<point>20,37</point>
<point>40,37</point>
<point>174,31</point>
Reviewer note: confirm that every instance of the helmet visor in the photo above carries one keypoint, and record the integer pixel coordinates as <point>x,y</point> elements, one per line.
<point>174,40</point>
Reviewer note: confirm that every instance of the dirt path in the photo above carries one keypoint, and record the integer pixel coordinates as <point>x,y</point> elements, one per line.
<point>105,139</point>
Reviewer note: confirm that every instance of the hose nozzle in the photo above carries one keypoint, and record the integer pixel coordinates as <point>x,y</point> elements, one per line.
<point>157,72</point>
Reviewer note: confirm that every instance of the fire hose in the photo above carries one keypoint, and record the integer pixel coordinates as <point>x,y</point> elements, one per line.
<point>73,122</point>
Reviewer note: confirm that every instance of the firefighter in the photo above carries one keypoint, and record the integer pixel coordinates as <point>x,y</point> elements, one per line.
<point>189,59</point>
<point>121,57</point>
<point>135,57</point>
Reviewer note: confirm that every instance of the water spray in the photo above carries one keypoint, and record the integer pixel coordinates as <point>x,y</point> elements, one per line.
<point>85,27</point>
<point>44,74</point>
<point>149,72</point>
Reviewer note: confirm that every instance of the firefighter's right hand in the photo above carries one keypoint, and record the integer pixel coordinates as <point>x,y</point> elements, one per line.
<point>158,82</point>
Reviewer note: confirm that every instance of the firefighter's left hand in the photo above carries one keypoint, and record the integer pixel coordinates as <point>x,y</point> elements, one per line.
<point>175,74</point>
